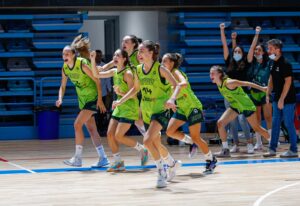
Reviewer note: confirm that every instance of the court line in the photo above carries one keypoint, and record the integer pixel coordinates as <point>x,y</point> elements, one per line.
<point>258,201</point>
<point>75,169</point>
<point>16,165</point>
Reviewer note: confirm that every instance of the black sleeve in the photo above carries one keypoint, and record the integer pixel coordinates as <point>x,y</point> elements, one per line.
<point>287,70</point>
<point>250,71</point>
<point>227,61</point>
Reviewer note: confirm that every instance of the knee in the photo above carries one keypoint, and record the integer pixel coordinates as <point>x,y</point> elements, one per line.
<point>170,132</point>
<point>220,123</point>
<point>78,125</point>
<point>110,134</point>
<point>119,137</point>
<point>147,141</point>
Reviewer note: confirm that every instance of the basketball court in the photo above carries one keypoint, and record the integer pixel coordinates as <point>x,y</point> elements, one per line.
<point>32,173</point>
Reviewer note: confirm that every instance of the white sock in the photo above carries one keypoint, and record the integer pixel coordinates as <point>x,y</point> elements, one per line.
<point>187,139</point>
<point>117,157</point>
<point>78,151</point>
<point>169,160</point>
<point>159,164</point>
<point>258,138</point>
<point>100,151</point>
<point>225,145</point>
<point>208,156</point>
<point>139,147</point>
<point>141,129</point>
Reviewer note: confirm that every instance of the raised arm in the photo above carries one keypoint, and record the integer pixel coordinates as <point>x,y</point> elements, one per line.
<point>233,40</point>
<point>62,89</point>
<point>253,45</point>
<point>95,70</point>
<point>108,66</point>
<point>232,84</point>
<point>224,42</point>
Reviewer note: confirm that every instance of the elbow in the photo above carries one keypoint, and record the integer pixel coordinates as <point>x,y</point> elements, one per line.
<point>182,85</point>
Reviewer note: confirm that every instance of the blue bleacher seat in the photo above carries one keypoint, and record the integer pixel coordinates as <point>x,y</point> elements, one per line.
<point>267,24</point>
<point>2,106</point>
<point>20,104</point>
<point>18,64</point>
<point>286,40</point>
<point>263,39</point>
<point>1,29</point>
<point>18,85</point>
<point>285,23</point>
<point>48,62</point>
<point>2,86</point>
<point>18,26</point>
<point>241,23</point>
<point>1,48</point>
<point>2,68</point>
<point>18,46</point>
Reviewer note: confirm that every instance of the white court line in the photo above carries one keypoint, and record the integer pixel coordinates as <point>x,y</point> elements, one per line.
<point>257,202</point>
<point>15,165</point>
<point>19,166</point>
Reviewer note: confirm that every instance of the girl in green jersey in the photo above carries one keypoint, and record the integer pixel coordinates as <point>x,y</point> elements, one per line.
<point>124,115</point>
<point>130,44</point>
<point>189,109</point>
<point>89,97</point>
<point>240,103</point>
<point>259,73</point>
<point>155,101</point>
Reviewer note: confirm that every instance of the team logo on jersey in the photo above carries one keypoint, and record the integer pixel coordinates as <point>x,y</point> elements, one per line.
<point>196,111</point>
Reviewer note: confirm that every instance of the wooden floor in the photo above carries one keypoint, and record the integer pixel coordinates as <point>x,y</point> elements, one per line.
<point>238,181</point>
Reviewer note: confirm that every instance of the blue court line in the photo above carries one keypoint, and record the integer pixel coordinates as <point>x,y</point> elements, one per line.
<point>83,169</point>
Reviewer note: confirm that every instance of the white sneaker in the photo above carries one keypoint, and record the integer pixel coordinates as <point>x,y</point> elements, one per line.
<point>161,179</point>
<point>258,147</point>
<point>250,149</point>
<point>234,149</point>
<point>74,162</point>
<point>172,170</point>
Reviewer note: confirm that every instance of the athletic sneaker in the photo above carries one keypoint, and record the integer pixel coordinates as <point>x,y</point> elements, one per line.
<point>161,178</point>
<point>223,153</point>
<point>172,170</point>
<point>116,167</point>
<point>250,149</point>
<point>235,149</point>
<point>289,154</point>
<point>74,162</point>
<point>258,147</point>
<point>101,163</point>
<point>210,165</point>
<point>144,157</point>
<point>193,150</point>
<point>271,153</point>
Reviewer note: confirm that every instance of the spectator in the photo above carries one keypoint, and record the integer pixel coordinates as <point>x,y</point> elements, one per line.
<point>107,97</point>
<point>281,83</point>
<point>259,73</point>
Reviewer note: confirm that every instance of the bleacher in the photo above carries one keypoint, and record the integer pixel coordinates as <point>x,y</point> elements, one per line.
<point>30,70</point>
<point>196,35</point>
